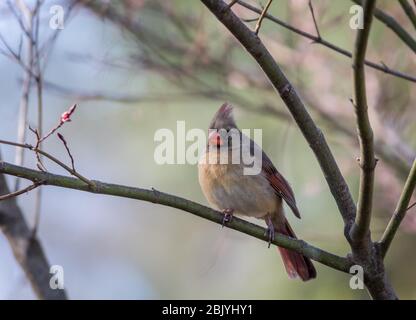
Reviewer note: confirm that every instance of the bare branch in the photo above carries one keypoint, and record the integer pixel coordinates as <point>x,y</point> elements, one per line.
<point>61,137</point>
<point>19,192</point>
<point>258,24</point>
<point>52,158</point>
<point>314,19</point>
<point>154,196</point>
<point>39,94</point>
<point>39,163</point>
<point>27,250</point>
<point>365,132</point>
<point>380,67</point>
<point>393,25</point>
<point>407,8</point>
<point>400,211</point>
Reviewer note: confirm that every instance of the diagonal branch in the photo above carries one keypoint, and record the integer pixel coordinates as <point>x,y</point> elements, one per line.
<point>400,212</point>
<point>407,8</point>
<point>260,20</point>
<point>311,132</point>
<point>365,132</point>
<point>154,196</point>
<point>393,25</point>
<point>316,39</point>
<point>19,192</point>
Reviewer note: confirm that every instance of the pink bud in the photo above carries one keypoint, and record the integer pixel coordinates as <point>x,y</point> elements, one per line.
<point>66,116</point>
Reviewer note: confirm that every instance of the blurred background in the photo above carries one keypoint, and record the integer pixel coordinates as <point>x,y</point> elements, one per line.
<point>136,66</point>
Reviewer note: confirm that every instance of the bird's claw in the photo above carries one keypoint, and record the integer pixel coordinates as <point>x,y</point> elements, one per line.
<point>228,216</point>
<point>270,232</point>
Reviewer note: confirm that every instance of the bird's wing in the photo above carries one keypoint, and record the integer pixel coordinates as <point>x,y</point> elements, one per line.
<point>279,184</point>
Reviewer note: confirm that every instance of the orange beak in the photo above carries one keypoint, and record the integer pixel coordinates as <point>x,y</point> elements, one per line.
<point>214,139</point>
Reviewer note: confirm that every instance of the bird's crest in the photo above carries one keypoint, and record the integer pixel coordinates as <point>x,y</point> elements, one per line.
<point>224,118</point>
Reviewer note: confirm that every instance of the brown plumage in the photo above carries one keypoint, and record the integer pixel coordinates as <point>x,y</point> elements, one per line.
<point>228,189</point>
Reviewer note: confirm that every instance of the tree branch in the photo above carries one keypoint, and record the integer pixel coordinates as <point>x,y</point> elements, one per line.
<point>393,25</point>
<point>314,19</point>
<point>260,20</point>
<point>27,250</point>
<point>154,196</point>
<point>329,45</point>
<point>400,211</point>
<point>311,132</point>
<point>365,133</point>
<point>407,8</point>
<point>19,192</point>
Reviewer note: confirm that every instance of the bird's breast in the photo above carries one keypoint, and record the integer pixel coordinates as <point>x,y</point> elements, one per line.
<point>226,187</point>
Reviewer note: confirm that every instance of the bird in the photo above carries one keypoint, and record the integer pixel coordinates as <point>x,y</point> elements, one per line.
<point>228,189</point>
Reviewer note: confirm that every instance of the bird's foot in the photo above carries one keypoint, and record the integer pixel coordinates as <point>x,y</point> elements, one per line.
<point>228,216</point>
<point>270,232</point>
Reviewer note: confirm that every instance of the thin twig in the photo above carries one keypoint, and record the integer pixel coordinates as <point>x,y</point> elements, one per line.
<point>258,24</point>
<point>365,132</point>
<point>52,158</point>
<point>250,20</point>
<point>22,122</point>
<point>400,211</point>
<point>61,137</point>
<point>39,163</point>
<point>24,101</point>
<point>233,2</point>
<point>21,191</point>
<point>39,93</point>
<point>327,44</point>
<point>314,19</point>
<point>65,117</point>
<point>27,30</point>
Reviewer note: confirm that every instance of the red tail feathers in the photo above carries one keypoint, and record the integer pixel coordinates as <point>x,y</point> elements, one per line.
<point>296,265</point>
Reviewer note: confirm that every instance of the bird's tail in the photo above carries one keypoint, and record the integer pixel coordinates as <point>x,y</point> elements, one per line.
<point>296,264</point>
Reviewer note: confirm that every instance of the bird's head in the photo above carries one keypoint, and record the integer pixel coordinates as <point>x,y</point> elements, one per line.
<point>223,127</point>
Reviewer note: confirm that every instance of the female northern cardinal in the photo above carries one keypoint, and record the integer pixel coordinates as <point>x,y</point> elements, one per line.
<point>227,188</point>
